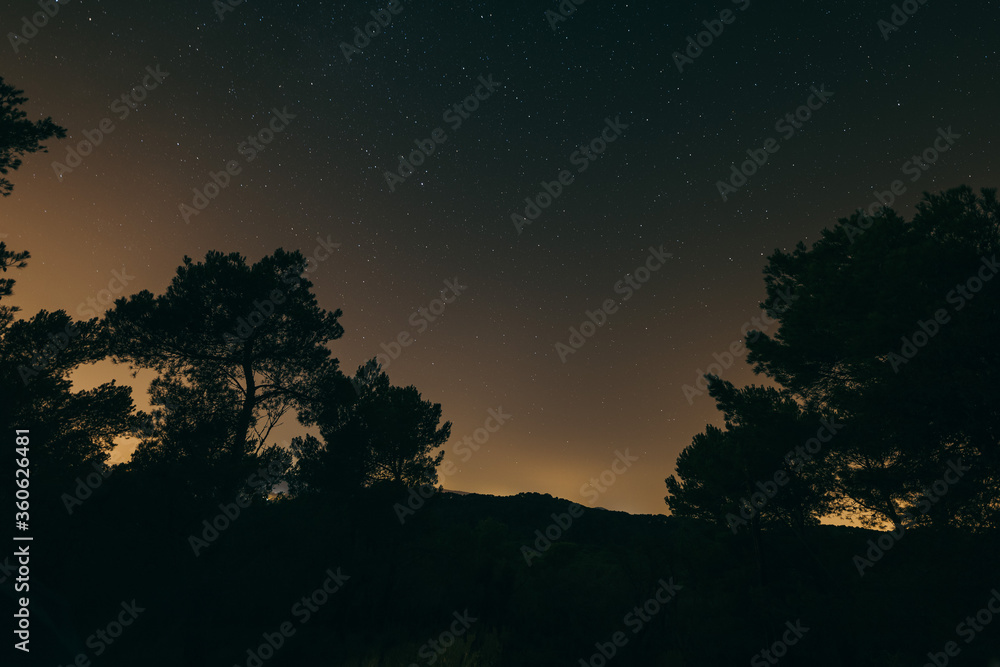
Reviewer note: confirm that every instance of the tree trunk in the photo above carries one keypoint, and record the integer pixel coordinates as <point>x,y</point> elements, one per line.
<point>246,413</point>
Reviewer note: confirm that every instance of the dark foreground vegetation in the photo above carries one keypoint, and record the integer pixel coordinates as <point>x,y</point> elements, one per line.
<point>464,554</point>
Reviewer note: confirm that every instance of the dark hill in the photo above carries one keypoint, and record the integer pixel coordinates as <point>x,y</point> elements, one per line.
<point>464,556</point>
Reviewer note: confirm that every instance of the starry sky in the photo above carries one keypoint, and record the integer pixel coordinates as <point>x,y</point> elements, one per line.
<point>347,114</point>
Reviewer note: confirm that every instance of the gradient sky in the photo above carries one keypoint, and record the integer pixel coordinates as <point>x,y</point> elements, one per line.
<point>323,177</point>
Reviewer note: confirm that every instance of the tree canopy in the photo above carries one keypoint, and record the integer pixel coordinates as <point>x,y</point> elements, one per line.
<point>888,331</point>
<point>18,135</point>
<point>378,433</point>
<point>249,339</point>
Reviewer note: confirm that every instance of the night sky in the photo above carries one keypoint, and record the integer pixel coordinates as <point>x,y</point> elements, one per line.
<point>397,242</point>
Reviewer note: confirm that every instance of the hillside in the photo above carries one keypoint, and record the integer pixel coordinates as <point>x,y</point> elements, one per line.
<point>462,557</point>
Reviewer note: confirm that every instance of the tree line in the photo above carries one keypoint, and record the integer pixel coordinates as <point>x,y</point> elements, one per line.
<point>887,340</point>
